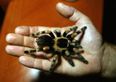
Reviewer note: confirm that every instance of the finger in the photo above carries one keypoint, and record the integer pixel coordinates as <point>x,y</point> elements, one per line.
<point>15,50</point>
<point>20,51</point>
<point>27,30</point>
<point>72,14</point>
<point>35,63</point>
<point>17,39</point>
<point>23,30</point>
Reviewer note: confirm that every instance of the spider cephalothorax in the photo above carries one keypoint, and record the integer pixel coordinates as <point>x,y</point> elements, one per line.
<point>60,44</point>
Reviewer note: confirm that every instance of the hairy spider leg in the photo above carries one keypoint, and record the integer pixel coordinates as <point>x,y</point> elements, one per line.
<point>78,55</point>
<point>69,30</point>
<point>83,32</point>
<point>68,58</point>
<point>30,52</point>
<point>35,35</point>
<point>76,50</point>
<point>74,28</point>
<point>38,33</point>
<point>51,34</point>
<point>76,44</point>
<point>45,32</point>
<point>43,49</point>
<point>54,63</point>
<point>73,35</point>
<point>57,32</point>
<point>81,58</point>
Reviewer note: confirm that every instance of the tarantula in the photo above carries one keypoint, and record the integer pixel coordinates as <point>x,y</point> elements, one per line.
<point>60,44</point>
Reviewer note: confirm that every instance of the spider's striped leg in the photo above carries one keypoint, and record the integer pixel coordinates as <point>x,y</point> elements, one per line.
<point>38,33</point>
<point>51,34</point>
<point>73,35</point>
<point>69,30</point>
<point>57,32</point>
<point>83,32</point>
<point>35,34</point>
<point>45,32</point>
<point>70,61</point>
<point>76,44</point>
<point>79,56</point>
<point>66,32</point>
<point>74,28</point>
<point>84,28</point>
<point>54,63</point>
<point>30,52</point>
<point>69,58</point>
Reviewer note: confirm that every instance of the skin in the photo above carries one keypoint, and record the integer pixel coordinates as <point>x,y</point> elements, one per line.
<point>92,44</point>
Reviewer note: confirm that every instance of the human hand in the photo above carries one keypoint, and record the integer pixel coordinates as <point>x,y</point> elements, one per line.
<point>91,43</point>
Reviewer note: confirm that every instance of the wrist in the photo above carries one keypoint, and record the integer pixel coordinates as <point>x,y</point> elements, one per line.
<point>109,60</point>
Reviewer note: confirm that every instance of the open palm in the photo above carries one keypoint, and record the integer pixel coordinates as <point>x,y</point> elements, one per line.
<point>91,43</point>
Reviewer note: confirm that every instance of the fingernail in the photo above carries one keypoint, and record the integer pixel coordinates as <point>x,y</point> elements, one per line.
<point>64,9</point>
<point>10,37</point>
<point>28,61</point>
<point>21,30</point>
<point>18,29</point>
<point>62,5</point>
<point>9,49</point>
<point>22,59</point>
<point>14,50</point>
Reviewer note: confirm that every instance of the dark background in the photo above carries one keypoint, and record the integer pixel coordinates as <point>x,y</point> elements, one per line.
<point>1,16</point>
<point>109,21</point>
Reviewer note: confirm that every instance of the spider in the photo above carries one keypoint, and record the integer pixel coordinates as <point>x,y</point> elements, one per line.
<point>59,44</point>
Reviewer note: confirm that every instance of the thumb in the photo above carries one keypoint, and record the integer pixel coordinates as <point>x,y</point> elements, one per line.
<point>70,12</point>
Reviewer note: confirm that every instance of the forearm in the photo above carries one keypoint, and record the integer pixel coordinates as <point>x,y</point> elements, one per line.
<point>109,60</point>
